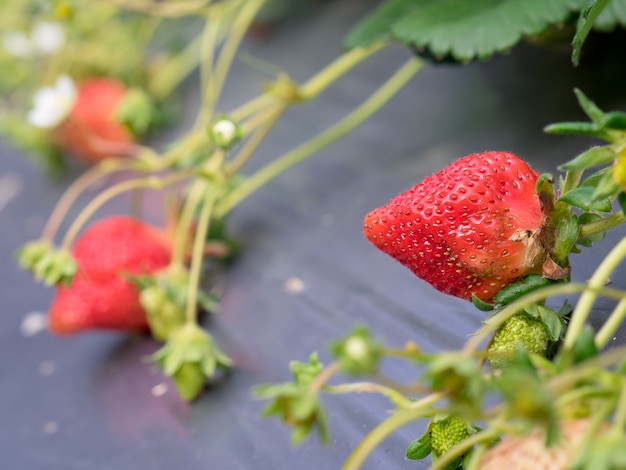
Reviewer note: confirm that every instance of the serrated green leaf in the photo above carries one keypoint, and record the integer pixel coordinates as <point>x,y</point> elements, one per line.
<point>584,197</point>
<point>595,156</point>
<point>461,29</point>
<point>587,18</point>
<point>614,14</point>
<point>378,24</point>
<point>420,448</point>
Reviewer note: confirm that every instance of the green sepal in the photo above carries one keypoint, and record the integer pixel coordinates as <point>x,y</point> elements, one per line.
<point>615,120</point>
<point>190,345</point>
<point>585,345</point>
<point>514,291</point>
<point>621,199</point>
<point>358,353</point>
<point>481,304</point>
<point>578,128</point>
<point>49,265</point>
<point>584,197</point>
<point>586,218</point>
<point>589,107</point>
<point>296,403</point>
<point>567,235</point>
<point>31,252</point>
<point>551,319</point>
<point>607,186</point>
<point>136,111</point>
<point>420,448</point>
<point>595,156</point>
<point>585,22</point>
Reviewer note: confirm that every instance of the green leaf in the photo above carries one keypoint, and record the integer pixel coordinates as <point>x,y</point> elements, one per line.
<point>621,199</point>
<point>584,197</point>
<point>585,345</point>
<point>462,29</point>
<point>587,18</point>
<point>514,291</point>
<point>419,448</point>
<point>614,14</point>
<point>481,305</point>
<point>595,156</point>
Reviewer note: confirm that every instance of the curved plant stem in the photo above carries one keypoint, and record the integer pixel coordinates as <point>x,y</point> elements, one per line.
<point>364,111</point>
<point>210,38</point>
<point>175,70</point>
<point>619,416</point>
<point>195,270</point>
<point>253,142</point>
<point>477,456</point>
<point>151,182</point>
<point>183,227</point>
<point>611,325</point>
<point>585,303</point>
<point>327,76</point>
<point>387,427</point>
<point>396,397</point>
<point>214,86</point>
<point>76,188</point>
<point>602,225</point>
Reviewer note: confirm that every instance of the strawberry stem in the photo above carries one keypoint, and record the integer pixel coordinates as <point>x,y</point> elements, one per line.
<point>396,397</point>
<point>602,225</point>
<point>195,270</point>
<point>254,141</point>
<point>612,324</point>
<point>150,182</point>
<point>183,227</point>
<point>587,299</point>
<point>103,169</point>
<point>364,111</point>
<point>417,409</point>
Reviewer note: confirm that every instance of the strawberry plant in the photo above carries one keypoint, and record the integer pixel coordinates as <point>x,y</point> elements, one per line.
<point>534,378</point>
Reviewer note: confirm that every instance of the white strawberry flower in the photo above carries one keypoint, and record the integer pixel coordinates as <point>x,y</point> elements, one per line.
<point>52,104</point>
<point>45,38</point>
<point>17,44</point>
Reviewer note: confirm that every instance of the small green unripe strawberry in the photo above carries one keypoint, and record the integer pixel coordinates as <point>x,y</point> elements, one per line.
<point>446,433</point>
<point>189,380</point>
<point>519,330</point>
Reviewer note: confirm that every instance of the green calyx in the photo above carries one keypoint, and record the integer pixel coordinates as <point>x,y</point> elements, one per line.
<point>358,353</point>
<point>190,356</point>
<point>50,265</point>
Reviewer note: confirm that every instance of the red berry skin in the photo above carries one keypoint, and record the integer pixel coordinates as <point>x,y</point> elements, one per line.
<point>100,295</point>
<point>120,244</point>
<point>91,132</point>
<point>454,229</point>
<point>85,305</point>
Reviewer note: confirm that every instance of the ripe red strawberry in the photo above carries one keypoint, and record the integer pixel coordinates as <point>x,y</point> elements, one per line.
<point>100,295</point>
<point>91,131</point>
<point>469,229</point>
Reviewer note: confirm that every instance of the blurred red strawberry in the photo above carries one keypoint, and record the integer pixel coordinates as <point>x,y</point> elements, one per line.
<point>101,296</point>
<point>91,132</point>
